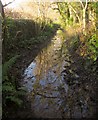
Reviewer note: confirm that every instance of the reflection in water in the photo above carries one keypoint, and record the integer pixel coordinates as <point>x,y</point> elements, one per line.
<point>43,79</point>
<point>55,87</point>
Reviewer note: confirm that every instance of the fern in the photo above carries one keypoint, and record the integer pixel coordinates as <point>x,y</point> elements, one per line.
<point>15,99</point>
<point>21,93</point>
<point>9,87</point>
<point>7,65</point>
<point>13,94</point>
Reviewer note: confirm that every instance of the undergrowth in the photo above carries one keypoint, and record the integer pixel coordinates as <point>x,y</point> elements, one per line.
<point>21,35</point>
<point>24,34</point>
<point>11,93</point>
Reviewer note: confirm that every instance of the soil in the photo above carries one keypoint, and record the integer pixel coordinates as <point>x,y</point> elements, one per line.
<point>82,95</point>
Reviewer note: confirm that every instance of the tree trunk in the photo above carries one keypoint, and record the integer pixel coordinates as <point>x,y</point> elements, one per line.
<point>2,10</point>
<point>1,19</point>
<point>76,16</point>
<point>3,30</point>
<point>84,19</point>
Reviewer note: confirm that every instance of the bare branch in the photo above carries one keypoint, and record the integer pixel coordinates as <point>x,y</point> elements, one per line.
<point>84,7</point>
<point>74,11</point>
<point>43,95</point>
<point>81,3</point>
<point>86,4</point>
<point>8,3</point>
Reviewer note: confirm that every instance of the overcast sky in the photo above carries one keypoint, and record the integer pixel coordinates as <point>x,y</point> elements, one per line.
<point>16,3</point>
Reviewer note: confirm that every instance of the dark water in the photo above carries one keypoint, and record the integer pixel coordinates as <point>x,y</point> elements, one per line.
<point>46,85</point>
<point>44,80</point>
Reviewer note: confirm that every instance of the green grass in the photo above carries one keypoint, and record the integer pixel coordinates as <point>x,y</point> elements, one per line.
<point>21,34</point>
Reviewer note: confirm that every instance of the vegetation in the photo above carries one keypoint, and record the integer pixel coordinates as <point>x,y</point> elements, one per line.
<point>11,92</point>
<point>82,15</point>
<point>22,36</point>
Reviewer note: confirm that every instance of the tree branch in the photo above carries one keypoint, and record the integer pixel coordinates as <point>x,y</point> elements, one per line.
<point>81,3</point>
<point>86,4</point>
<point>74,12</point>
<point>43,95</point>
<point>84,7</point>
<point>8,3</point>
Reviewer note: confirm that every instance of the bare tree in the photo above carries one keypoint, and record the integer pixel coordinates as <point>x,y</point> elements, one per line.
<point>84,6</point>
<point>2,8</point>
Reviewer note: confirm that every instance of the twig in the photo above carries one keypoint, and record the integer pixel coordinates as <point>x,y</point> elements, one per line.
<point>8,3</point>
<point>43,95</point>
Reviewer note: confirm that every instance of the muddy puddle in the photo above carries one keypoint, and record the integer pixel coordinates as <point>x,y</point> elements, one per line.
<point>48,85</point>
<point>45,82</point>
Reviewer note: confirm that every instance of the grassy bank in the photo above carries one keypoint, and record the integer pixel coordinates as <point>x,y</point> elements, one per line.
<point>24,34</point>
